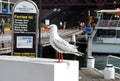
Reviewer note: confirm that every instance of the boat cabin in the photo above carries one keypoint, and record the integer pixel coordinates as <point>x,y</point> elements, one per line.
<point>108,26</point>
<point>108,18</point>
<point>106,35</point>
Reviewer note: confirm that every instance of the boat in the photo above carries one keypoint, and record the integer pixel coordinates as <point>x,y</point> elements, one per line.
<point>106,35</point>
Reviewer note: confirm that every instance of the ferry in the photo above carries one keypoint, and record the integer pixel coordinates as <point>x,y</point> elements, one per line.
<point>106,35</point>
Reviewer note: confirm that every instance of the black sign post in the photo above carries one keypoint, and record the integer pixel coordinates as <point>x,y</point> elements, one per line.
<point>25,29</point>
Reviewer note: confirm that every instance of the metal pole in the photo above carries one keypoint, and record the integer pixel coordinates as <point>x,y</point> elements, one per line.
<point>89,50</point>
<point>39,43</point>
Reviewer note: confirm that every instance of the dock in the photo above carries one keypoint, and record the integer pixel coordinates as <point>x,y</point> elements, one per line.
<point>5,40</point>
<point>93,74</point>
<point>85,74</point>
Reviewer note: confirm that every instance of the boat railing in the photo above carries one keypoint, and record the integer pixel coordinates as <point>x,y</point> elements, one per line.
<point>113,23</point>
<point>117,66</point>
<point>100,23</point>
<point>108,23</point>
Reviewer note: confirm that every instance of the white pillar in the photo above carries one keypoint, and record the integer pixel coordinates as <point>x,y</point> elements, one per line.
<point>109,72</point>
<point>90,62</point>
<point>73,38</point>
<point>89,49</point>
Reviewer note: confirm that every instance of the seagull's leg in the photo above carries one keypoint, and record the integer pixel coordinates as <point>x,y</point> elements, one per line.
<point>58,58</point>
<point>61,57</point>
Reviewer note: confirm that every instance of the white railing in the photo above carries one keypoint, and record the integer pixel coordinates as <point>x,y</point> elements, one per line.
<point>115,57</point>
<point>108,23</point>
<point>5,40</point>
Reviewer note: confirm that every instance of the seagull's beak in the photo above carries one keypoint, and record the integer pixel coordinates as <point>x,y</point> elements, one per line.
<point>47,28</point>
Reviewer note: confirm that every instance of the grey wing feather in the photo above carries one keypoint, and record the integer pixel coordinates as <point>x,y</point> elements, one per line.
<point>65,45</point>
<point>55,46</point>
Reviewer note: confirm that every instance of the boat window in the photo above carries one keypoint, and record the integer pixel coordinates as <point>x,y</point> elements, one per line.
<point>113,23</point>
<point>106,33</point>
<point>118,33</point>
<point>108,20</point>
<point>106,16</point>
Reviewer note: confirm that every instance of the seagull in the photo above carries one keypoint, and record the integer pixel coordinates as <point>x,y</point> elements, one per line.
<point>59,44</point>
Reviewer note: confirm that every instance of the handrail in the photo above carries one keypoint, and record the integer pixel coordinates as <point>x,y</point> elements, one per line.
<point>111,56</point>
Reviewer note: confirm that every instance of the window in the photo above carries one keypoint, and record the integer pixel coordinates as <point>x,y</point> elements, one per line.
<point>106,33</point>
<point>0,7</point>
<point>11,6</point>
<point>4,7</point>
<point>118,33</point>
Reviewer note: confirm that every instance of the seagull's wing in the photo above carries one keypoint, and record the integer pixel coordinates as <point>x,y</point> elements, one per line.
<point>63,46</point>
<point>58,45</point>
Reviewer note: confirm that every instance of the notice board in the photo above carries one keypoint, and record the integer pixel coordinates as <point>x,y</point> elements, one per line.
<point>25,25</point>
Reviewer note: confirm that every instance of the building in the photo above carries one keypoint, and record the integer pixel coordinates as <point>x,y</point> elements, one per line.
<point>6,9</point>
<point>62,10</point>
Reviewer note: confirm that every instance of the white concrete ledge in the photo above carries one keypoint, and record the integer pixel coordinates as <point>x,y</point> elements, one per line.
<point>13,68</point>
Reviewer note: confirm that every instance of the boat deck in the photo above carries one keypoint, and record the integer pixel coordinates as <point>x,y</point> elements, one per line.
<point>93,75</point>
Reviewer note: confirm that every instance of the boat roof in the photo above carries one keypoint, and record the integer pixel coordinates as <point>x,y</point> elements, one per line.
<point>110,11</point>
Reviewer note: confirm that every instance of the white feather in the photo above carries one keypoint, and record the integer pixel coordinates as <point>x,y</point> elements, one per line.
<point>61,45</point>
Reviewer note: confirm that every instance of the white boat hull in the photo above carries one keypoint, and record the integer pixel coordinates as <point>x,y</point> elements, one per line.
<point>106,48</point>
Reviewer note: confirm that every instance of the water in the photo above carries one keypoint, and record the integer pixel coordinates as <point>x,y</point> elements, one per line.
<point>100,61</point>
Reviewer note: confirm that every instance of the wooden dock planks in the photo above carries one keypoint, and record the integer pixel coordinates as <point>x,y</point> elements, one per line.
<point>93,75</point>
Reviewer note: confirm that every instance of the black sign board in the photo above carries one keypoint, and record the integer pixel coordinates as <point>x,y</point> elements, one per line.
<point>25,25</point>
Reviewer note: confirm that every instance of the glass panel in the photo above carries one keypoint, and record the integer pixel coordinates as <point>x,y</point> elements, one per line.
<point>4,7</point>
<point>5,0</point>
<point>118,34</point>
<point>13,1</point>
<point>106,33</point>
<point>11,6</point>
<point>0,7</point>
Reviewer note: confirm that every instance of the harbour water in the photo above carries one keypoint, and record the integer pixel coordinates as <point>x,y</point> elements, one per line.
<point>101,60</point>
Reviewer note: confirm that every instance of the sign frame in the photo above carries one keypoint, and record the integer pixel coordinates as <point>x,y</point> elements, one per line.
<point>25,29</point>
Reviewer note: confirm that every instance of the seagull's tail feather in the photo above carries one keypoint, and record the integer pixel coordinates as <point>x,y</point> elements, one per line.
<point>79,53</point>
